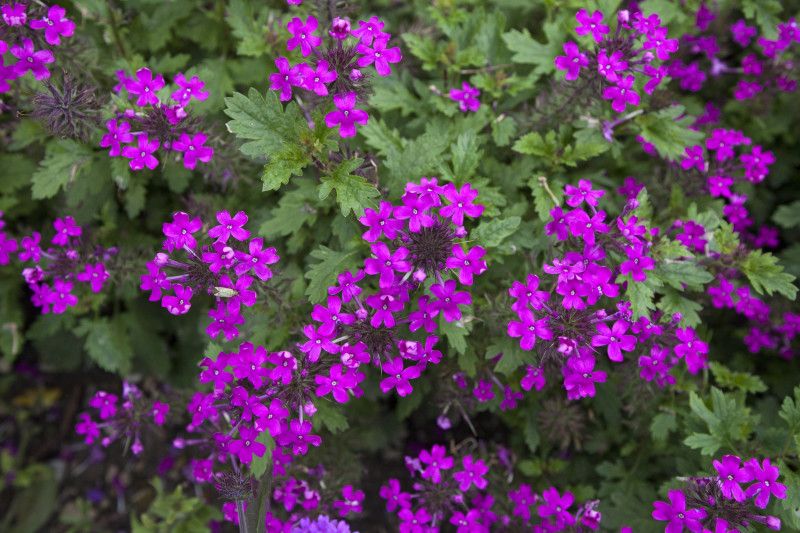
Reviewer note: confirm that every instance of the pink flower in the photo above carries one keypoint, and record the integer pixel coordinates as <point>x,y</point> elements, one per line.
<point>192,88</point>
<point>436,461</point>
<point>141,155</point>
<point>460,203</point>
<point>303,35</point>
<point>467,264</point>
<point>572,62</point>
<point>286,78</point>
<point>118,133</point>
<point>399,378</point>
<point>181,302</point>
<point>367,31</point>
<point>622,94</point>
<point>65,229</point>
<point>528,329</point>
<point>766,483</point>
<point>317,80</point>
<point>615,339</point>
<point>256,259</point>
<point>467,97</point>
<point>145,86</point>
<point>246,445</point>
<point>346,115</point>
<point>55,24</point>
<point>31,60</point>
<point>381,56</point>
<point>591,24</point>
<point>193,148</point>
<point>159,412</point>
<point>473,473</point>
<point>94,275</point>
<point>534,377</point>
<point>676,513</point>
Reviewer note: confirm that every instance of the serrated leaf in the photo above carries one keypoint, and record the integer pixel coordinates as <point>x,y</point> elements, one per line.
<point>512,355</point>
<point>504,128</point>
<point>492,233</point>
<point>661,426</point>
<point>108,343</point>
<point>248,25</point>
<point>262,121</point>
<point>455,333</point>
<point>668,130</point>
<point>353,192</point>
<point>672,302</point>
<point>543,198</point>
<point>743,381</point>
<point>685,272</point>
<point>767,276</point>
<point>640,294</point>
<point>63,161</point>
<point>289,161</point>
<point>707,444</point>
<point>526,50</point>
<point>323,274</point>
<point>330,416</point>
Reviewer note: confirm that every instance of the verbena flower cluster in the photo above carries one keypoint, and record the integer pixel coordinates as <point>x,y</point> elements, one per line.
<point>762,66</point>
<point>57,271</point>
<point>229,266</point>
<point>721,502</point>
<point>335,68</point>
<point>573,322</point>
<point>418,261</point>
<point>27,34</point>
<point>637,49</point>
<point>156,121</point>
<point>456,491</point>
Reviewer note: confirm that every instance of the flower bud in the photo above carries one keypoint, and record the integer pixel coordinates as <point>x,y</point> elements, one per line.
<point>340,28</point>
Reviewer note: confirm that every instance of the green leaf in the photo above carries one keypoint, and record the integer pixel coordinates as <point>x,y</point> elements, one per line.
<point>295,208</point>
<point>512,355</point>
<point>491,233</point>
<point>766,275</point>
<point>260,464</point>
<point>742,381</point>
<point>466,154</point>
<point>456,334</point>
<point>765,13</point>
<point>528,51</point>
<point>289,161</point>
<point>679,273</point>
<point>108,343</point>
<point>661,426</point>
<point>542,198</point>
<point>790,411</point>
<point>63,161</point>
<point>330,416</point>
<point>707,444</point>
<point>531,432</point>
<point>640,294</point>
<point>788,215</point>
<point>672,302</point>
<point>323,274</point>
<point>248,26</point>
<point>353,192</point>
<point>504,128</point>
<point>668,130</point>
<point>262,122</point>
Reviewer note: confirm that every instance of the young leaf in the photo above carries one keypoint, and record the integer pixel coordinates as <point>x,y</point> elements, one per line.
<point>353,192</point>
<point>323,274</point>
<point>766,275</point>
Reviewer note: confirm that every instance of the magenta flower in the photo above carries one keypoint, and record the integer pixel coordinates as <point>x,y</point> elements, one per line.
<point>693,158</point>
<point>191,88</point>
<point>473,473</point>
<point>351,501</point>
<point>286,78</point>
<point>14,14</point>
<point>742,33</point>
<point>636,263</point>
<point>61,298</point>
<point>467,97</point>
<point>385,303</point>
<point>655,366</point>
<point>94,275</point>
<point>179,232</point>
<point>145,86</point>
<point>118,133</point>
<point>381,56</point>
<point>55,24</point>
<point>615,339</point>
<point>449,299</point>
<point>460,203</point>
<point>225,319</point>
<point>676,513</point>
<point>181,302</point>
<point>528,329</point>
<point>691,348</point>
<point>270,418</point>
<point>386,263</point>
<point>155,281</point>
<point>583,192</point>
<point>730,475</point>
<point>415,210</point>
<point>86,426</point>
<point>318,340</point>
<point>346,115</point>
<point>141,155</point>
<point>256,259</point>
<point>299,437</point>
<point>317,80</point>
<point>159,412</point>
<point>423,316</point>
<point>337,383</point>
<point>436,461</point>
<point>658,41</point>
<point>31,60</point>
<point>347,285</point>
<point>534,377</point>
<point>303,35</point>
<point>608,66</point>
<point>246,445</point>
<point>340,28</point>
<point>368,31</point>
<point>393,493</point>
<point>105,403</point>
<point>467,264</point>
<point>522,498</point>
<point>591,24</point>
<point>202,408</point>
<point>230,226</point>
<point>622,94</point>
<point>572,62</point>
<point>399,378</point>
<point>555,507</point>
<point>380,222</point>
<point>581,225</point>
<point>193,148</point>
<point>766,483</point>
<point>580,376</point>
<point>527,294</point>
<point>573,291</point>
<point>65,228</point>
